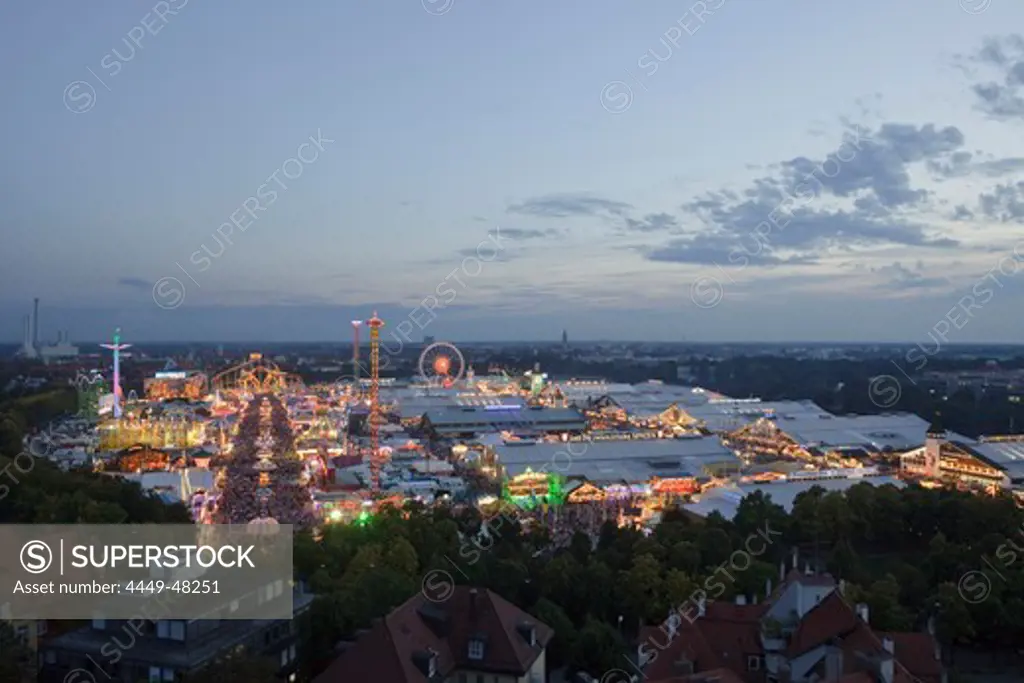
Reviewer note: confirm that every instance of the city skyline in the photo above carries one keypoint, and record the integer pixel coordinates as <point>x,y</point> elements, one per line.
<point>621,173</point>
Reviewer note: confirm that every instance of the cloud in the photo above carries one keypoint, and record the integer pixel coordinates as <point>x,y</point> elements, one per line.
<point>871,169</point>
<point>134,283</point>
<point>960,164</point>
<point>901,277</point>
<point>527,234</point>
<point>1004,203</point>
<point>1002,98</point>
<point>570,205</point>
<point>962,213</point>
<point>653,222</point>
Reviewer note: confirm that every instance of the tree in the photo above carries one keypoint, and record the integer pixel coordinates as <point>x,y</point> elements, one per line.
<point>598,648</point>
<point>17,661</point>
<point>561,646</point>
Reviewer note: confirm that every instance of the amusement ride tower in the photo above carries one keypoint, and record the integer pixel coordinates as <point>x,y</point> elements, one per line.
<point>355,355</point>
<point>117,347</point>
<point>375,324</point>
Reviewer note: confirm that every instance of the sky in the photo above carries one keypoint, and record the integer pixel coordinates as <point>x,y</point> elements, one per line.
<point>726,170</point>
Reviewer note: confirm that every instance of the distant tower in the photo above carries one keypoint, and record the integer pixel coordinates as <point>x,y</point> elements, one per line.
<point>355,353</point>
<point>565,339</point>
<point>35,323</point>
<point>375,324</point>
<point>117,347</point>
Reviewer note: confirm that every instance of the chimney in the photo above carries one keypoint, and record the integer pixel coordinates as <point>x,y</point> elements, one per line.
<point>767,588</point>
<point>35,323</point>
<point>887,668</point>
<point>27,337</point>
<point>741,599</point>
<point>796,558</point>
<point>842,587</point>
<point>807,569</point>
<point>672,623</point>
<point>782,571</point>
<point>702,606</point>
<point>862,612</point>
<point>473,595</point>
<point>889,644</point>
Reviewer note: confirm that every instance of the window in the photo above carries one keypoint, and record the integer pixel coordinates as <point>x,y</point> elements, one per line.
<point>753,663</point>
<point>163,629</point>
<point>178,630</point>
<point>291,653</point>
<point>154,674</point>
<point>168,675</point>
<point>476,649</point>
<point>99,624</point>
<point>22,634</point>
<point>284,658</point>
<point>51,657</point>
<point>41,627</point>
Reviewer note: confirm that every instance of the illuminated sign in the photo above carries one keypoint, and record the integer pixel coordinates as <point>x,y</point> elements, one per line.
<point>171,375</point>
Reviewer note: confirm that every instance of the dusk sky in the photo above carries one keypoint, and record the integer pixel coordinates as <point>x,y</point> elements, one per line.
<point>625,178</point>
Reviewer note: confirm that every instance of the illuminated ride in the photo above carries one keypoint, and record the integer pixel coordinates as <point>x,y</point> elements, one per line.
<point>377,457</point>
<point>117,347</point>
<point>257,375</point>
<point>442,364</point>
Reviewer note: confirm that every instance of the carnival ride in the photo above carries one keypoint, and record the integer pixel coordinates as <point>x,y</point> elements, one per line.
<point>442,364</point>
<point>90,389</point>
<point>257,375</point>
<point>117,347</point>
<point>169,385</point>
<point>377,457</point>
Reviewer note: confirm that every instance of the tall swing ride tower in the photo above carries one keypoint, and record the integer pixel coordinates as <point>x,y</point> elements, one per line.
<point>376,458</point>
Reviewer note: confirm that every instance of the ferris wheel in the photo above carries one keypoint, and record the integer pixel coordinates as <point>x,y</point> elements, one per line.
<point>442,364</point>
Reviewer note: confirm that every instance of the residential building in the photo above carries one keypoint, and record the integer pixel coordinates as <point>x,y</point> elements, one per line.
<point>473,637</point>
<point>169,651</point>
<point>803,631</point>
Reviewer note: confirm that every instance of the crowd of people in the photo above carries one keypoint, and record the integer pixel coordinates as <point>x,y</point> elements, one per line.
<point>263,480</point>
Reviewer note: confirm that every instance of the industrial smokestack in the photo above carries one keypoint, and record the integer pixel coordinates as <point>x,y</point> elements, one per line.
<point>26,339</point>
<point>35,323</point>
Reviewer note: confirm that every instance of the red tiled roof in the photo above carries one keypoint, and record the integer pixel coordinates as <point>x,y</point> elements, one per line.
<point>386,654</point>
<point>834,620</point>
<point>916,651</point>
<point>722,639</point>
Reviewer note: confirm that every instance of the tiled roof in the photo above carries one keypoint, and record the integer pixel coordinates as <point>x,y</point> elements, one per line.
<point>723,638</point>
<point>389,653</point>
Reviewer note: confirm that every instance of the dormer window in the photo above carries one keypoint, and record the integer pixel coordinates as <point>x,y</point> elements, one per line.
<point>476,649</point>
